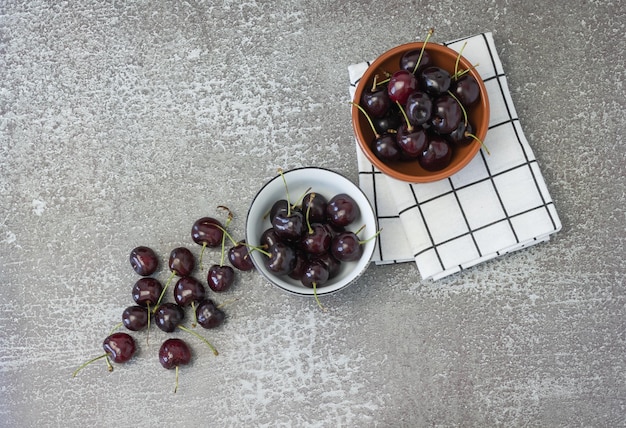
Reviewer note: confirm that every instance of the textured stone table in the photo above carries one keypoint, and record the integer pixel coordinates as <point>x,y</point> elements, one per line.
<point>120,124</point>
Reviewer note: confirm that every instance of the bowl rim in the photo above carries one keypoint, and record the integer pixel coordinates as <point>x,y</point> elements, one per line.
<point>290,286</point>
<point>434,175</point>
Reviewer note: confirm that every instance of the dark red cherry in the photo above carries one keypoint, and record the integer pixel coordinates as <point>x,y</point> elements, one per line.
<point>437,155</point>
<point>386,148</point>
<point>409,59</point>
<point>144,260</point>
<point>120,347</point>
<point>315,275</point>
<point>466,89</point>
<point>209,315</point>
<point>387,123</point>
<point>146,291</point>
<point>302,260</point>
<point>411,142</point>
<point>182,261</point>
<point>419,108</point>
<point>289,226</point>
<point>342,210</point>
<point>135,318</point>
<point>316,240</point>
<point>375,100</point>
<point>401,84</point>
<point>168,316</point>
<point>188,290</point>
<point>447,114</point>
<point>239,256</point>
<point>173,353</point>
<point>332,264</point>
<point>281,260</point>
<point>207,231</point>
<point>220,278</point>
<point>269,237</point>
<point>280,206</point>
<point>346,247</point>
<point>462,135</point>
<point>435,80</point>
<point>314,207</point>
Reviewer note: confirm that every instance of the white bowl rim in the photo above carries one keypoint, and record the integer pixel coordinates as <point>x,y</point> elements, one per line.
<point>343,185</point>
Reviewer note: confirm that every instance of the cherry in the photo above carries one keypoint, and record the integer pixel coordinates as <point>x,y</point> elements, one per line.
<point>207,231</point>
<point>408,61</point>
<point>181,261</point>
<point>280,206</point>
<point>332,264</point>
<point>386,147</point>
<point>220,277</point>
<point>342,210</point>
<point>146,292</point>
<point>269,237</point>
<point>401,84</point>
<point>418,108</point>
<point>314,207</point>
<point>386,124</point>
<point>447,113</point>
<point>174,353</point>
<point>168,316</point>
<point>209,315</point>
<point>281,258</point>
<point>461,135</point>
<point>315,274</point>
<point>135,318</point>
<point>435,80</point>
<point>289,226</point>
<point>239,256</point>
<point>346,247</point>
<point>300,264</point>
<point>119,347</point>
<point>412,142</point>
<point>375,99</point>
<point>144,260</point>
<point>316,240</point>
<point>466,89</point>
<point>188,291</point>
<point>437,155</point>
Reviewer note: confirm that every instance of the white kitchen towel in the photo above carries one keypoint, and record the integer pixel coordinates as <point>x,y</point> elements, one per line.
<point>498,204</point>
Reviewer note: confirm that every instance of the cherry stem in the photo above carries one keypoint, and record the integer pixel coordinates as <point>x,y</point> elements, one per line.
<point>167,284</point>
<point>460,105</point>
<point>480,141</point>
<point>458,58</point>
<point>195,317</point>
<point>280,171</point>
<point>116,327</point>
<point>367,117</point>
<point>371,237</point>
<point>228,302</point>
<point>419,58</point>
<point>461,73</point>
<point>85,364</point>
<point>308,214</point>
<point>317,299</point>
<point>176,381</point>
<point>201,254</point>
<point>374,84</point>
<point>182,327</point>
<point>409,127</point>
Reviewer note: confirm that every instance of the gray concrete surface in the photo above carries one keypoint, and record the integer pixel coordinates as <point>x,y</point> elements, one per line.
<point>123,122</point>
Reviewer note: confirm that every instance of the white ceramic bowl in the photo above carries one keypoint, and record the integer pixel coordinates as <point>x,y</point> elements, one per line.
<point>324,182</point>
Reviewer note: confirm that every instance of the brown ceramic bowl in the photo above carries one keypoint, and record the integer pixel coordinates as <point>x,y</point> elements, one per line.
<point>411,171</point>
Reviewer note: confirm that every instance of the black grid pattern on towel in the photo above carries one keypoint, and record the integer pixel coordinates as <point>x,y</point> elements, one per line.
<point>493,182</point>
